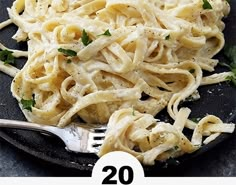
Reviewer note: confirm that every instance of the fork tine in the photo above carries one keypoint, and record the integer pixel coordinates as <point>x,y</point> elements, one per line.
<point>98,138</point>
<point>99,130</point>
<point>92,136</point>
<point>97,143</point>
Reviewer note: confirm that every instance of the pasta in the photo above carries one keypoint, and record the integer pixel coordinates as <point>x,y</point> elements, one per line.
<point>120,62</point>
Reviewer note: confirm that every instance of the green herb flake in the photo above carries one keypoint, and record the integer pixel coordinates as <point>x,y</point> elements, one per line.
<point>230,53</point>
<point>232,79</point>
<point>206,5</point>
<point>85,38</point>
<point>27,104</point>
<point>167,37</point>
<point>176,147</point>
<point>7,57</point>
<point>192,71</point>
<point>133,112</point>
<point>68,61</point>
<point>67,52</point>
<point>106,33</point>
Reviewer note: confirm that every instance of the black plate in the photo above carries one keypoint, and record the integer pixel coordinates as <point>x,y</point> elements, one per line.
<point>218,99</point>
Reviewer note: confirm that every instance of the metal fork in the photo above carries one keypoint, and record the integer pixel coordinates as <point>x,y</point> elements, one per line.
<point>77,137</point>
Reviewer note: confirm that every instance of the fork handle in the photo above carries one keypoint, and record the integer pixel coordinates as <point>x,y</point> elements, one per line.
<point>5,123</point>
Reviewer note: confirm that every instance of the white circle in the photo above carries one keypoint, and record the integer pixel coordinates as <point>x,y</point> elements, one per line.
<point>124,163</point>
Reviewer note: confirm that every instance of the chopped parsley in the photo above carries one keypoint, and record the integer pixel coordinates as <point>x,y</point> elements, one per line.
<point>7,57</point>
<point>133,112</point>
<point>27,104</point>
<point>176,147</point>
<point>232,79</point>
<point>230,53</point>
<point>192,71</point>
<point>167,37</point>
<point>67,52</point>
<point>85,38</point>
<point>206,5</point>
<point>106,33</point>
<point>68,61</point>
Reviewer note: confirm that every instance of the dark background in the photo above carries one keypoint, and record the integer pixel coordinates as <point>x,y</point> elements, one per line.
<point>219,161</point>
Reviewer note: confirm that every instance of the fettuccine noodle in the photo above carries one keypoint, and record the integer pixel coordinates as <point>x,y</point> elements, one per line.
<point>132,59</point>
